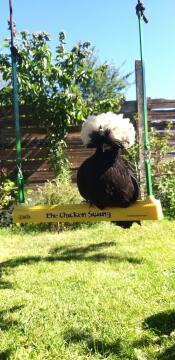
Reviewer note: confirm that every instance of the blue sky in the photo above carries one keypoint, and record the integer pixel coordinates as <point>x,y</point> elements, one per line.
<point>112,27</point>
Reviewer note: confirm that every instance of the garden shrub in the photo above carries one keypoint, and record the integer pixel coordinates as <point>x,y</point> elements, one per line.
<point>61,89</point>
<point>162,171</point>
<point>58,191</point>
<point>165,191</point>
<point>8,196</point>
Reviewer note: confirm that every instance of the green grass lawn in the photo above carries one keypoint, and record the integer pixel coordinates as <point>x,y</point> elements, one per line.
<point>93,293</point>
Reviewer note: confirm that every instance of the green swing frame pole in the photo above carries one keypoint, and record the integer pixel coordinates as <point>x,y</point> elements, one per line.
<point>14,54</point>
<point>141,17</point>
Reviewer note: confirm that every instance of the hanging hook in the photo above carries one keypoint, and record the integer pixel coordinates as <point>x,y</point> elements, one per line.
<point>140,8</point>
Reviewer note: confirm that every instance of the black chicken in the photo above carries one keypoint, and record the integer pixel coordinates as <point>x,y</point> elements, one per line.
<point>105,179</point>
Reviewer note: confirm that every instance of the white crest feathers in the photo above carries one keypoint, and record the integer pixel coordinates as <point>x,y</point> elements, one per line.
<point>121,128</point>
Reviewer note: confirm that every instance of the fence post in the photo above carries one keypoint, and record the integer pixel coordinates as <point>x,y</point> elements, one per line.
<point>140,126</point>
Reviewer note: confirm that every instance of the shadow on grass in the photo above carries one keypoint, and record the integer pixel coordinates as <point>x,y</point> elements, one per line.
<point>82,249</point>
<point>69,253</point>
<point>90,253</point>
<point>5,285</point>
<point>84,253</point>
<point>91,344</point>
<point>162,323</point>
<point>5,355</point>
<point>21,260</point>
<point>168,354</point>
<point>12,263</point>
<point>5,322</point>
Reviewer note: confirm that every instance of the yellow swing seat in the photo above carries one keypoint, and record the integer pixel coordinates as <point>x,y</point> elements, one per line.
<point>148,209</point>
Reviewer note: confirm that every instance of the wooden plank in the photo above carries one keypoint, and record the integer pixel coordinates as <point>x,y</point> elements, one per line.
<point>74,129</point>
<point>128,107</point>
<point>28,139</point>
<point>76,163</point>
<point>75,143</point>
<point>36,178</point>
<point>6,110</point>
<point>23,110</point>
<point>161,125</point>
<point>27,166</point>
<point>39,177</point>
<point>164,120</point>
<point>77,146</point>
<point>168,155</point>
<point>73,136</point>
<point>33,132</point>
<point>162,133</point>
<point>33,153</point>
<point>171,143</point>
<point>34,172</point>
<point>25,122</point>
<point>164,116</point>
<point>25,143</point>
<point>140,129</point>
<point>160,103</point>
<point>80,152</point>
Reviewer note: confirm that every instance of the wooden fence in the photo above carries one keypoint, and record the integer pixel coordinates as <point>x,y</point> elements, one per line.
<point>161,112</point>
<point>35,148</point>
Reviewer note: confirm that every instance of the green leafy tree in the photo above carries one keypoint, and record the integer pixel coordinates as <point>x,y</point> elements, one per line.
<point>61,91</point>
<point>106,83</point>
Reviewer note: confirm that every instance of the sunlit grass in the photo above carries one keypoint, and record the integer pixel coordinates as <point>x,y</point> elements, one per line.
<point>94,293</point>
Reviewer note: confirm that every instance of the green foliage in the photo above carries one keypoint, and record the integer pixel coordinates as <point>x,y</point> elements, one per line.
<point>107,82</point>
<point>59,92</point>
<point>8,196</point>
<point>8,192</point>
<point>162,170</point>
<point>165,190</point>
<point>132,158</point>
<point>57,191</point>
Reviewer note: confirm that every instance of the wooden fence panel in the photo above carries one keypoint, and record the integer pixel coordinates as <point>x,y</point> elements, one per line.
<point>161,113</point>
<point>35,148</point>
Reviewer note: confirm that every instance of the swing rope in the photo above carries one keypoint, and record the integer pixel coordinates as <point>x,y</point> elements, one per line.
<point>141,17</point>
<point>14,57</point>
